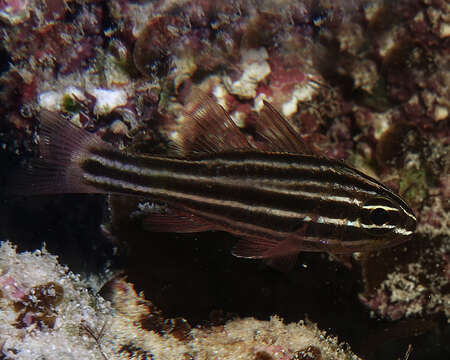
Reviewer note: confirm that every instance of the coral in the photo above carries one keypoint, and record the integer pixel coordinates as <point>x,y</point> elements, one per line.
<point>255,70</point>
<point>38,306</point>
<point>43,306</point>
<point>15,11</point>
<point>83,325</point>
<point>416,288</point>
<point>108,100</point>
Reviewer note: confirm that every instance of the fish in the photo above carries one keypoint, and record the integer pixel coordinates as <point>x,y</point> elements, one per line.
<point>278,194</point>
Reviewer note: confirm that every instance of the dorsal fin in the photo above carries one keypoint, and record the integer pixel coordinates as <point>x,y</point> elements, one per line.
<point>278,135</point>
<point>207,127</point>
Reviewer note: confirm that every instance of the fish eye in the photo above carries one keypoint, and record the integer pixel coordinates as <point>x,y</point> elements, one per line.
<point>379,216</point>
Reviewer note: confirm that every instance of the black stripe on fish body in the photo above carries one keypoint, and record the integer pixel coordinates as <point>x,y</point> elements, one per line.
<point>242,199</point>
<point>280,202</point>
<point>288,169</point>
<point>198,177</point>
<point>256,171</point>
<point>221,169</point>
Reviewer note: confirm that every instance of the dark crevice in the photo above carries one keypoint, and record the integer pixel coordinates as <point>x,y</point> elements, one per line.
<point>5,60</point>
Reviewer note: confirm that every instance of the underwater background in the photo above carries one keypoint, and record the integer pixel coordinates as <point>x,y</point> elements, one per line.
<point>367,82</point>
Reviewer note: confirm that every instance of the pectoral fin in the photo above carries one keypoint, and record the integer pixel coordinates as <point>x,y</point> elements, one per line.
<point>260,248</point>
<point>178,222</point>
<point>280,255</point>
<point>254,248</point>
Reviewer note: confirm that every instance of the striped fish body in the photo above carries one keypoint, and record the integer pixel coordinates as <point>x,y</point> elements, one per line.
<point>279,196</point>
<point>312,203</point>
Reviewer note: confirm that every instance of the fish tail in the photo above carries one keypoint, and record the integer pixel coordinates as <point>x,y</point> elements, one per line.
<point>63,146</point>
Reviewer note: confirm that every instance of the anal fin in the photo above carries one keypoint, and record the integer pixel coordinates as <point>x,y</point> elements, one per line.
<point>280,255</point>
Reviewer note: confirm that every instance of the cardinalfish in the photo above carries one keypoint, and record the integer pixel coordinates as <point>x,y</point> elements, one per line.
<point>279,197</point>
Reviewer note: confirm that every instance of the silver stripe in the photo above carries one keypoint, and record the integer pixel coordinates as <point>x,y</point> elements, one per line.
<point>142,171</point>
<point>411,215</point>
<point>320,168</point>
<point>373,207</point>
<point>103,180</point>
<point>352,223</point>
<point>403,232</point>
<point>233,204</point>
<point>311,195</point>
<point>373,226</point>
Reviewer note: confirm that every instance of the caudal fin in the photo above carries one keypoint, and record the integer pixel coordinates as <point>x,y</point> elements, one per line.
<point>62,146</point>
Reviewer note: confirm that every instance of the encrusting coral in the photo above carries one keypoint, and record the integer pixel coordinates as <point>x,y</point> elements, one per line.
<point>33,287</point>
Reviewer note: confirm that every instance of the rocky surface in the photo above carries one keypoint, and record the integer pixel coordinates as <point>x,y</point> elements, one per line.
<point>48,312</point>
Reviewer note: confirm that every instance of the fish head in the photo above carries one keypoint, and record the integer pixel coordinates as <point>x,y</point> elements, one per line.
<point>387,219</point>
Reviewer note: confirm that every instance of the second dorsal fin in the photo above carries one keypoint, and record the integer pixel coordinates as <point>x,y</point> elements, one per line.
<point>278,135</point>
<point>207,128</point>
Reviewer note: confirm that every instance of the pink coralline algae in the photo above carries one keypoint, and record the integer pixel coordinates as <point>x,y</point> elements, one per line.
<point>11,288</point>
<point>14,11</point>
